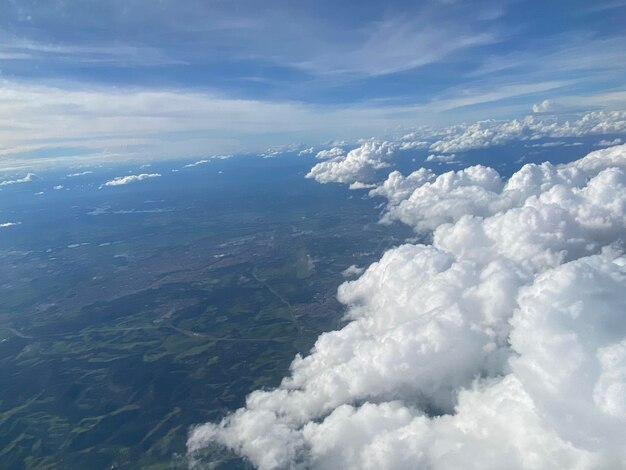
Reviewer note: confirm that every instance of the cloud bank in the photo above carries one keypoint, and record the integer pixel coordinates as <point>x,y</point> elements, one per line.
<point>122,180</point>
<point>362,163</point>
<point>491,133</point>
<point>501,345</point>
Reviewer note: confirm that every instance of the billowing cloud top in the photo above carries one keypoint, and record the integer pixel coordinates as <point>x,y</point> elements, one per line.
<point>489,133</point>
<point>330,153</point>
<point>362,163</point>
<point>359,164</point>
<point>501,345</point>
<point>122,180</point>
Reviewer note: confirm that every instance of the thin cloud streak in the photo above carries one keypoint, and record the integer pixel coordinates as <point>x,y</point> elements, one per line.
<point>74,123</point>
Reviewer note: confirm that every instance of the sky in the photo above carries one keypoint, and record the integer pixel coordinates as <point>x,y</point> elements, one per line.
<point>141,79</point>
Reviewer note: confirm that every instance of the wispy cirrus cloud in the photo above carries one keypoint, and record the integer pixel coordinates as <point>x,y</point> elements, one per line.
<point>100,124</point>
<point>120,55</point>
<point>465,97</point>
<point>324,39</point>
<point>397,44</point>
<point>146,80</point>
<point>108,123</point>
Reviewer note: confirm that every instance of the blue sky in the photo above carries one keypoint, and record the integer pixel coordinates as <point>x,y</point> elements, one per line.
<point>136,79</point>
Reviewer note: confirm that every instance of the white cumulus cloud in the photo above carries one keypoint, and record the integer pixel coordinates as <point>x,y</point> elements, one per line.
<point>491,133</point>
<point>82,173</point>
<point>501,345</point>
<point>609,143</point>
<point>330,153</point>
<point>198,163</point>
<point>397,187</point>
<point>414,145</point>
<point>122,180</point>
<point>352,270</point>
<point>360,164</point>
<point>442,158</point>
<point>360,185</point>
<point>545,106</point>
<point>26,179</point>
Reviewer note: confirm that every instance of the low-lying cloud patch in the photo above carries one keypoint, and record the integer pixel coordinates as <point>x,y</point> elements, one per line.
<point>352,271</point>
<point>330,153</point>
<point>447,159</point>
<point>123,180</point>
<point>26,179</point>
<point>106,210</point>
<point>198,163</point>
<point>81,173</point>
<point>610,143</point>
<point>204,161</point>
<point>360,185</point>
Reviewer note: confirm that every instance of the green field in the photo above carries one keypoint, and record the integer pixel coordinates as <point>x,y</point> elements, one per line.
<point>110,351</point>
